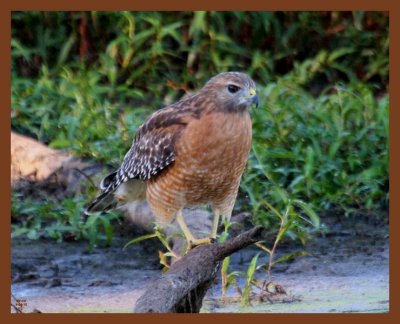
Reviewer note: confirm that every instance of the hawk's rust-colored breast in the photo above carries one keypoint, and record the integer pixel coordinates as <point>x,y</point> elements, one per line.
<point>211,155</point>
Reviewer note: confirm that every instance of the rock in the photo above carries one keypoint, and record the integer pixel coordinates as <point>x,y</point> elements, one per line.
<point>32,160</point>
<point>35,166</point>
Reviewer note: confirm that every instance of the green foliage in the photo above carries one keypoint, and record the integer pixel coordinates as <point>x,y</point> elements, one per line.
<point>59,220</point>
<point>330,151</point>
<point>84,82</point>
<point>289,222</point>
<point>71,111</point>
<point>188,47</point>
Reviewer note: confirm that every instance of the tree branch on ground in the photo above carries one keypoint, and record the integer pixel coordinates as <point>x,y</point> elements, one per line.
<point>182,288</point>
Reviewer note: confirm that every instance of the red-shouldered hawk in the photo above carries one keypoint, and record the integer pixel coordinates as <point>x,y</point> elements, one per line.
<point>190,153</point>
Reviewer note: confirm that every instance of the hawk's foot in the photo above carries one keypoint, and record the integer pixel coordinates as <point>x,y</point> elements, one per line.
<point>207,240</point>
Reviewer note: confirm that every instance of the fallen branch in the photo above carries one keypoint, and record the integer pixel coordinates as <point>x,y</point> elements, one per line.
<point>183,287</point>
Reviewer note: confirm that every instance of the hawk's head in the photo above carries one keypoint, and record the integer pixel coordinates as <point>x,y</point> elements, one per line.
<point>233,91</point>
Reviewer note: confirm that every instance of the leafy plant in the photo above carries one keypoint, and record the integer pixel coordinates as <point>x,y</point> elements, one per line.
<point>288,222</point>
<point>330,151</point>
<point>59,220</point>
<point>229,278</point>
<point>83,80</point>
<point>245,298</point>
<point>159,234</point>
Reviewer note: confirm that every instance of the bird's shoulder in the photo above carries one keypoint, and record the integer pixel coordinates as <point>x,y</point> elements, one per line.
<point>173,116</point>
<point>153,147</point>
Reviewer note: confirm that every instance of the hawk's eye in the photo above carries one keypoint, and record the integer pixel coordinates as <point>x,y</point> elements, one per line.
<point>232,88</point>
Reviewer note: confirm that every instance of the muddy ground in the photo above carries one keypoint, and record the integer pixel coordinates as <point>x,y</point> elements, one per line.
<point>348,271</point>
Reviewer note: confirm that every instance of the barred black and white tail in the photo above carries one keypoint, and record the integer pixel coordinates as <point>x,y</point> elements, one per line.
<point>106,200</point>
<point>118,190</point>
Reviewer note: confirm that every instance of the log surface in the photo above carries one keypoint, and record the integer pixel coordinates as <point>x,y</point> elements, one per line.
<point>182,288</point>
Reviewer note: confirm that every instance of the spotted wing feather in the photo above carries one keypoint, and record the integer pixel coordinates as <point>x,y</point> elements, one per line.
<point>152,150</point>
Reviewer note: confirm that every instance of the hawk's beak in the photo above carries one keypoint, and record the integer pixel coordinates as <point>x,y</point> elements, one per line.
<point>254,97</point>
<point>254,100</point>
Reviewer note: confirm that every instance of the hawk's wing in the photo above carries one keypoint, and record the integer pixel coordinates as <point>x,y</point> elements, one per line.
<point>152,150</point>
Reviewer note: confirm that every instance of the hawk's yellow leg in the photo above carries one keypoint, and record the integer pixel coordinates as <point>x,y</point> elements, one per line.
<point>192,242</point>
<point>214,226</point>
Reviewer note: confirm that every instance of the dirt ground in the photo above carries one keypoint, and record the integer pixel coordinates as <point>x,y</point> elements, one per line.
<point>348,271</point>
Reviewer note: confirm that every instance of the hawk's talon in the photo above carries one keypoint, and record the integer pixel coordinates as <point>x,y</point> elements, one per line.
<point>207,240</point>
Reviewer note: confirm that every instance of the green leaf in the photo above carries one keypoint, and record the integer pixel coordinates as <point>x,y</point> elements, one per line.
<point>315,221</point>
<point>263,247</point>
<point>291,256</point>
<point>339,53</point>
<point>66,49</point>
<point>252,268</point>
<point>198,24</point>
<point>108,229</point>
<point>334,148</point>
<point>60,143</point>
<point>245,299</point>
<point>230,279</point>
<point>266,203</point>
<point>139,239</point>
<point>225,265</point>
<point>19,231</point>
<point>296,181</point>
<point>309,165</point>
